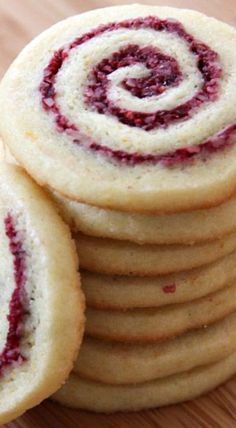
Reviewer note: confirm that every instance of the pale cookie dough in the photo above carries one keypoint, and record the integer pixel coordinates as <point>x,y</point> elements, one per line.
<point>39,335</point>
<point>129,107</point>
<point>181,228</point>
<point>100,397</point>
<point>120,363</point>
<point>124,292</point>
<point>153,324</point>
<point>125,258</point>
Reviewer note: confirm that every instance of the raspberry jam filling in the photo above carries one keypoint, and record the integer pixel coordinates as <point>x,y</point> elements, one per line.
<point>11,354</point>
<point>214,144</point>
<point>164,73</point>
<point>170,288</point>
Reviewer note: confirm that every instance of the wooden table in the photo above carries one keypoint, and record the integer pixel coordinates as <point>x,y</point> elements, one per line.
<point>20,20</point>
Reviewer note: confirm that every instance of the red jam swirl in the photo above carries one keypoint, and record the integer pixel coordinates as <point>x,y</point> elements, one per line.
<point>11,354</point>
<point>169,289</point>
<point>216,143</point>
<point>164,73</point>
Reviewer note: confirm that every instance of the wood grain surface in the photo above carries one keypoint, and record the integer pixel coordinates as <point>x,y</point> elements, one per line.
<point>20,20</point>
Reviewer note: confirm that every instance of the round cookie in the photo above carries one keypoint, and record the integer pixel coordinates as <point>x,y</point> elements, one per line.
<point>148,325</point>
<point>119,363</point>
<point>126,258</point>
<point>5,154</point>
<point>39,335</point>
<point>124,292</point>
<point>181,228</point>
<point>101,397</point>
<point>130,107</point>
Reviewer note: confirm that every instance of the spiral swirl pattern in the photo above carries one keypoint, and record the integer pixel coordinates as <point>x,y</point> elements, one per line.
<point>130,108</point>
<point>156,74</point>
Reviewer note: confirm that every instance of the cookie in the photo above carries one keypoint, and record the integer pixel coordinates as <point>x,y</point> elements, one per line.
<point>119,363</point>
<point>5,154</point>
<point>101,397</point>
<point>130,107</point>
<point>126,258</point>
<point>124,292</point>
<point>39,334</point>
<point>181,228</point>
<point>153,324</point>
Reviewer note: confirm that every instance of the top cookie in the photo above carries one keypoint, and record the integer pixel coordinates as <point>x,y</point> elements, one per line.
<point>131,108</point>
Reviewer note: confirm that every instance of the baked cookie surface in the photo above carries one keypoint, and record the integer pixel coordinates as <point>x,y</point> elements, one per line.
<point>181,228</point>
<point>124,292</point>
<point>110,256</point>
<point>39,336</point>
<point>130,107</point>
<point>156,324</point>
<point>98,397</point>
<point>122,363</point>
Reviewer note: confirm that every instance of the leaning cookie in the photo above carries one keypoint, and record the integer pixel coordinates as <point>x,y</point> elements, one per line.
<point>126,258</point>
<point>156,324</point>
<point>130,108</point>
<point>101,397</point>
<point>40,335</point>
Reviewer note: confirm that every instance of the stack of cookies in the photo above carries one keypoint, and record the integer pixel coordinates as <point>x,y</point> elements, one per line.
<point>161,301</point>
<point>127,116</point>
